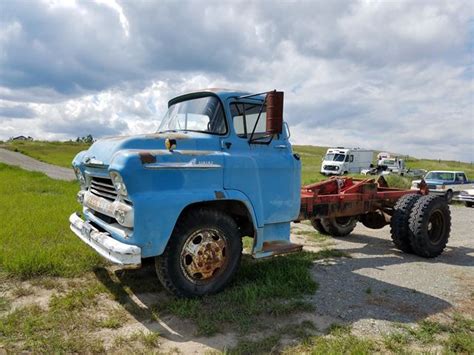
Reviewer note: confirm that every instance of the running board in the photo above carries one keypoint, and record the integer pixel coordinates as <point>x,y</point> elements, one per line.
<point>277,248</point>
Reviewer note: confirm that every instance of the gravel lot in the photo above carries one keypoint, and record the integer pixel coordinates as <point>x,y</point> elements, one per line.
<point>27,163</point>
<point>379,285</point>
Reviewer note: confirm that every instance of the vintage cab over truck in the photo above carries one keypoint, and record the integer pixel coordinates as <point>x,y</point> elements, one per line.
<point>221,167</point>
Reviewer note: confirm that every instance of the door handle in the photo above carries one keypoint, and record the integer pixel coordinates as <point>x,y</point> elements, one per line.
<point>281,146</point>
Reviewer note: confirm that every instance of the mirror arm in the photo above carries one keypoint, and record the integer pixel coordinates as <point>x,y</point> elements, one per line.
<point>258,119</point>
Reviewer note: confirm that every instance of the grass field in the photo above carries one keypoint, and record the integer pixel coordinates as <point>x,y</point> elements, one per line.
<point>57,153</point>
<point>34,234</point>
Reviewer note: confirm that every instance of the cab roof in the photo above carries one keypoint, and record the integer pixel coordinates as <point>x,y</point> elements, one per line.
<point>222,94</point>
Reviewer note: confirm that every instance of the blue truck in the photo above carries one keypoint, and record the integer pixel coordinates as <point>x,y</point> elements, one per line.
<point>220,167</point>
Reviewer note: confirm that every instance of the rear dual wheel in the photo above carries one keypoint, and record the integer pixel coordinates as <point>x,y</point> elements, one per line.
<point>421,225</point>
<point>430,225</point>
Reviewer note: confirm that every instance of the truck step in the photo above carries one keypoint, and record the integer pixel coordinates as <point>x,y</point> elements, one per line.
<point>277,248</point>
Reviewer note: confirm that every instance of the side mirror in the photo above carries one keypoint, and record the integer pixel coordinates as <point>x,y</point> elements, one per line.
<point>274,112</point>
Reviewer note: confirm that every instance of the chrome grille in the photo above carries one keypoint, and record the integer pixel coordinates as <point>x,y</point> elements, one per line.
<point>103,187</point>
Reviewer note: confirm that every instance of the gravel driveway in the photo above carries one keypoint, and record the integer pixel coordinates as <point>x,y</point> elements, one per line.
<point>379,285</point>
<point>27,163</point>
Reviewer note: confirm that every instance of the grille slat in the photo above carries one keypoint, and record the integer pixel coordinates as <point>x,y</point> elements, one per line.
<point>103,187</point>
<point>100,184</point>
<point>103,194</point>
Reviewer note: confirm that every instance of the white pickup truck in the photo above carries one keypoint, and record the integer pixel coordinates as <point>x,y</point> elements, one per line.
<point>445,183</point>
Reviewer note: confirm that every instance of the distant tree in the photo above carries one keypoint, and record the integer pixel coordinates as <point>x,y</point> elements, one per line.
<point>87,139</point>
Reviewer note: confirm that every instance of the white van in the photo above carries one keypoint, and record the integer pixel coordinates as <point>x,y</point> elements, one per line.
<point>339,161</point>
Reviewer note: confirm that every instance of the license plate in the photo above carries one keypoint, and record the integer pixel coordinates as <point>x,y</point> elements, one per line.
<point>99,204</point>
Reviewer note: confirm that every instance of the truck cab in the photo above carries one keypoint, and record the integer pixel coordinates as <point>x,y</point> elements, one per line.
<point>219,167</point>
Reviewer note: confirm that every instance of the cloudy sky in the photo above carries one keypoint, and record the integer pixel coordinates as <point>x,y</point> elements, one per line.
<point>392,75</point>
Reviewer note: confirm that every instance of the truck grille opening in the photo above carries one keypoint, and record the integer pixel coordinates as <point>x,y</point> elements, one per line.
<point>103,187</point>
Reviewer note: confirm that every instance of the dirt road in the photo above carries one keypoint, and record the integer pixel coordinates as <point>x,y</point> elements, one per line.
<point>379,286</point>
<point>27,163</point>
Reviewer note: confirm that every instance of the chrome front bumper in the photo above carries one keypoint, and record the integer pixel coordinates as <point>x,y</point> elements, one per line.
<point>465,198</point>
<point>117,252</point>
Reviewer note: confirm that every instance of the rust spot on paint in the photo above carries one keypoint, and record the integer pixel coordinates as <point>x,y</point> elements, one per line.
<point>147,158</point>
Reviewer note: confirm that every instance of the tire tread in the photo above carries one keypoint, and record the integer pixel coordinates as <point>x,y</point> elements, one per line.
<point>399,225</point>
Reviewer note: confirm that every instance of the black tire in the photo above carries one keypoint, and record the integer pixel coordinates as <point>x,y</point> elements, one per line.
<point>430,225</point>
<point>449,196</point>
<point>316,223</point>
<point>373,220</point>
<point>339,226</point>
<point>399,224</point>
<point>469,204</point>
<point>212,234</point>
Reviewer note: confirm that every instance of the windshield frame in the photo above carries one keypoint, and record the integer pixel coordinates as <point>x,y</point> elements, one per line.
<point>193,96</point>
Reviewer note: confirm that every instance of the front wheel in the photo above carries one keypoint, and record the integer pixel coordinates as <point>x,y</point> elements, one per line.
<point>469,204</point>
<point>202,255</point>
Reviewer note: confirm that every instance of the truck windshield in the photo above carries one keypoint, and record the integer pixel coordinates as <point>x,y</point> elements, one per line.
<point>439,175</point>
<point>334,157</point>
<point>203,114</point>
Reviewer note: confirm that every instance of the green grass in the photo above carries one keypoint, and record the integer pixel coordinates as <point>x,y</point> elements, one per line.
<point>56,330</point>
<point>456,336</point>
<point>34,233</point>
<point>271,288</point>
<point>69,325</point>
<point>57,153</point>
<point>338,341</point>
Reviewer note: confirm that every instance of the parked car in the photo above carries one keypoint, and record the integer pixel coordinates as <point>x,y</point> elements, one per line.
<point>445,183</point>
<point>467,196</point>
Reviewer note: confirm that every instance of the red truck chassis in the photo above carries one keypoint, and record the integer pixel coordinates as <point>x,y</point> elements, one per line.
<point>420,223</point>
<point>347,196</point>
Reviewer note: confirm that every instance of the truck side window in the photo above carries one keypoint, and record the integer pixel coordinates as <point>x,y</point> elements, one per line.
<point>244,117</point>
<point>351,158</point>
<point>460,177</point>
<point>347,159</point>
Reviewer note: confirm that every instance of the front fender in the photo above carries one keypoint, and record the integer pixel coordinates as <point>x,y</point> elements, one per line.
<point>156,214</point>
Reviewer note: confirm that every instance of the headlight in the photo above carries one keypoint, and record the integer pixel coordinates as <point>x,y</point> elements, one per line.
<point>80,177</point>
<point>118,183</point>
<point>440,187</point>
<point>337,168</point>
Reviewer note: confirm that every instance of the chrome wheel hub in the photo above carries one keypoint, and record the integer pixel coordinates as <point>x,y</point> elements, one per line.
<point>203,255</point>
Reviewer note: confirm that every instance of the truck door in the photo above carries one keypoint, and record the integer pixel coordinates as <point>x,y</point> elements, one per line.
<point>268,174</point>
